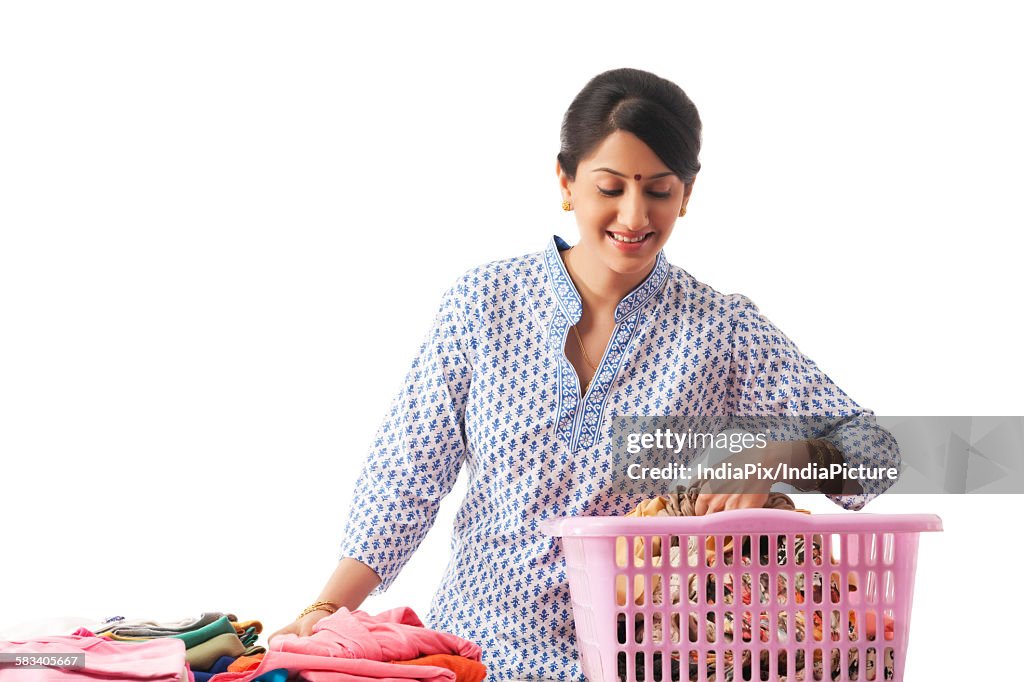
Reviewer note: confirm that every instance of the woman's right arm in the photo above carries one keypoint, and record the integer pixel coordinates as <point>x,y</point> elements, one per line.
<point>350,584</point>
<point>415,459</point>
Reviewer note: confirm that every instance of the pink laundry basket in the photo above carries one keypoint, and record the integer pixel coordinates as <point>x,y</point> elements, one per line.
<point>630,627</point>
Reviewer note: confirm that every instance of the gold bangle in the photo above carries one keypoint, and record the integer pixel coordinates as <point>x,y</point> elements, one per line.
<point>826,450</point>
<point>820,457</point>
<point>317,606</point>
<point>817,451</point>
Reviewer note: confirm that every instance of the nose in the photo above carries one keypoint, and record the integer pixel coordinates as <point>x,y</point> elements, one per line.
<point>633,211</point>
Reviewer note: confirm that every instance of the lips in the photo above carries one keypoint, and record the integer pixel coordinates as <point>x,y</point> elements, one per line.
<point>630,246</point>
<point>631,236</point>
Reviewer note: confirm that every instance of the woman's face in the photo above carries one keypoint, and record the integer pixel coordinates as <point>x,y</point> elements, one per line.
<point>623,193</point>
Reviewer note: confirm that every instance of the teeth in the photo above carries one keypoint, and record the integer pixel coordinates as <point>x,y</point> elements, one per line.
<point>619,238</point>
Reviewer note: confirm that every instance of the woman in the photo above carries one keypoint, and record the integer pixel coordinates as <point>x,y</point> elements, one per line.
<point>531,358</point>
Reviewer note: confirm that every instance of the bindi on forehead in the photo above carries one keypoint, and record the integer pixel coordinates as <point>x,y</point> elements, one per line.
<point>636,176</point>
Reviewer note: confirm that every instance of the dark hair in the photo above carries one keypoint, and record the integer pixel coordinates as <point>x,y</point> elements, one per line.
<point>652,108</point>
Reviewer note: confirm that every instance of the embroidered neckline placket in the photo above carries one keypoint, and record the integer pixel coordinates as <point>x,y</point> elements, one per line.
<point>578,428</point>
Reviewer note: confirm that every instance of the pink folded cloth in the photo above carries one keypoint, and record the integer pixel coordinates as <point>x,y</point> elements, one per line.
<point>158,659</point>
<point>353,646</point>
<point>394,635</point>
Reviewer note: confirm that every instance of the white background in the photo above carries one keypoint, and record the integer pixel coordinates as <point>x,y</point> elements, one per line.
<point>225,228</point>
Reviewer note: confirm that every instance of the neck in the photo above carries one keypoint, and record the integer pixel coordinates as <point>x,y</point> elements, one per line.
<point>600,288</point>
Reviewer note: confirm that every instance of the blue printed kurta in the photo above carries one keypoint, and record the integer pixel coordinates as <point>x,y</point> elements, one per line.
<point>491,390</point>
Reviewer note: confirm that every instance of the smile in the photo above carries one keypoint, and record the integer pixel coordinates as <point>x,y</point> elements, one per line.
<point>629,240</point>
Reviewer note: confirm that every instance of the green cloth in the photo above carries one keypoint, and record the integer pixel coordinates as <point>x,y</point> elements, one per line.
<point>249,637</point>
<point>221,626</point>
<point>203,655</point>
<point>191,638</point>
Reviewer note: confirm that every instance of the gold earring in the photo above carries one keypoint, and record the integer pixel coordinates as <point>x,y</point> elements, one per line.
<point>682,211</point>
<point>566,206</point>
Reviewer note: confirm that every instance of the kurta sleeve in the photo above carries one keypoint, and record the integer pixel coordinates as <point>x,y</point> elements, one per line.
<point>418,449</point>
<point>768,375</point>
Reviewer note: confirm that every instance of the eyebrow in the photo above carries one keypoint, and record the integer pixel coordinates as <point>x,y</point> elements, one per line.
<point>623,175</point>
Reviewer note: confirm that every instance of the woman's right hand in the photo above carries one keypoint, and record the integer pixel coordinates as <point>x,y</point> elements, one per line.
<point>348,586</point>
<point>303,627</point>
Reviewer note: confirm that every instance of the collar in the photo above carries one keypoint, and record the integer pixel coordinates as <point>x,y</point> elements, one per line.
<point>569,299</point>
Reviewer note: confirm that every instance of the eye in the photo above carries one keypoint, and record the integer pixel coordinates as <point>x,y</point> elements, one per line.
<point>617,192</point>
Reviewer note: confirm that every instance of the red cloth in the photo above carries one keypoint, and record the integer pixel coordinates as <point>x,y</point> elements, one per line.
<point>243,663</point>
<point>465,670</point>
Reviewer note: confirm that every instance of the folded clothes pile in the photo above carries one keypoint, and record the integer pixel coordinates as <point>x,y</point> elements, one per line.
<point>191,649</point>
<point>96,658</point>
<point>353,646</point>
<point>212,642</point>
<point>347,646</point>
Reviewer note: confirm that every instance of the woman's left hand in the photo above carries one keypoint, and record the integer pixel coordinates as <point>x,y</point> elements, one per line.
<point>747,492</point>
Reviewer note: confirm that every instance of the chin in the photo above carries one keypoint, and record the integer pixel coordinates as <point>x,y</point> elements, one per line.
<point>626,263</point>
<point>629,266</point>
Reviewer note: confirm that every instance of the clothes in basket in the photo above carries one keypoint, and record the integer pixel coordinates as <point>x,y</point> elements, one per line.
<point>682,504</point>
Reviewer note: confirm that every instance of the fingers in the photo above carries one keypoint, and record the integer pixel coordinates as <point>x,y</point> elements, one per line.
<point>708,503</point>
<point>747,501</point>
<point>302,627</point>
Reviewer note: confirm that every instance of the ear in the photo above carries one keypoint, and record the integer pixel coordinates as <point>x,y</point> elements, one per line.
<point>688,189</point>
<point>564,183</point>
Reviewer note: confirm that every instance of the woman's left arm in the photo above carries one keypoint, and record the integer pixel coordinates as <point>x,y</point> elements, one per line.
<point>770,377</point>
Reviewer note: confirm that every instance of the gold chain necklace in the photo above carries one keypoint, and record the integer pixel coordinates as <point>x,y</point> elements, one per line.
<point>585,357</point>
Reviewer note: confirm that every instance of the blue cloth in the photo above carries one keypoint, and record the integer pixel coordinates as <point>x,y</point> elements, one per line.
<point>276,675</point>
<point>491,389</point>
<point>221,666</point>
